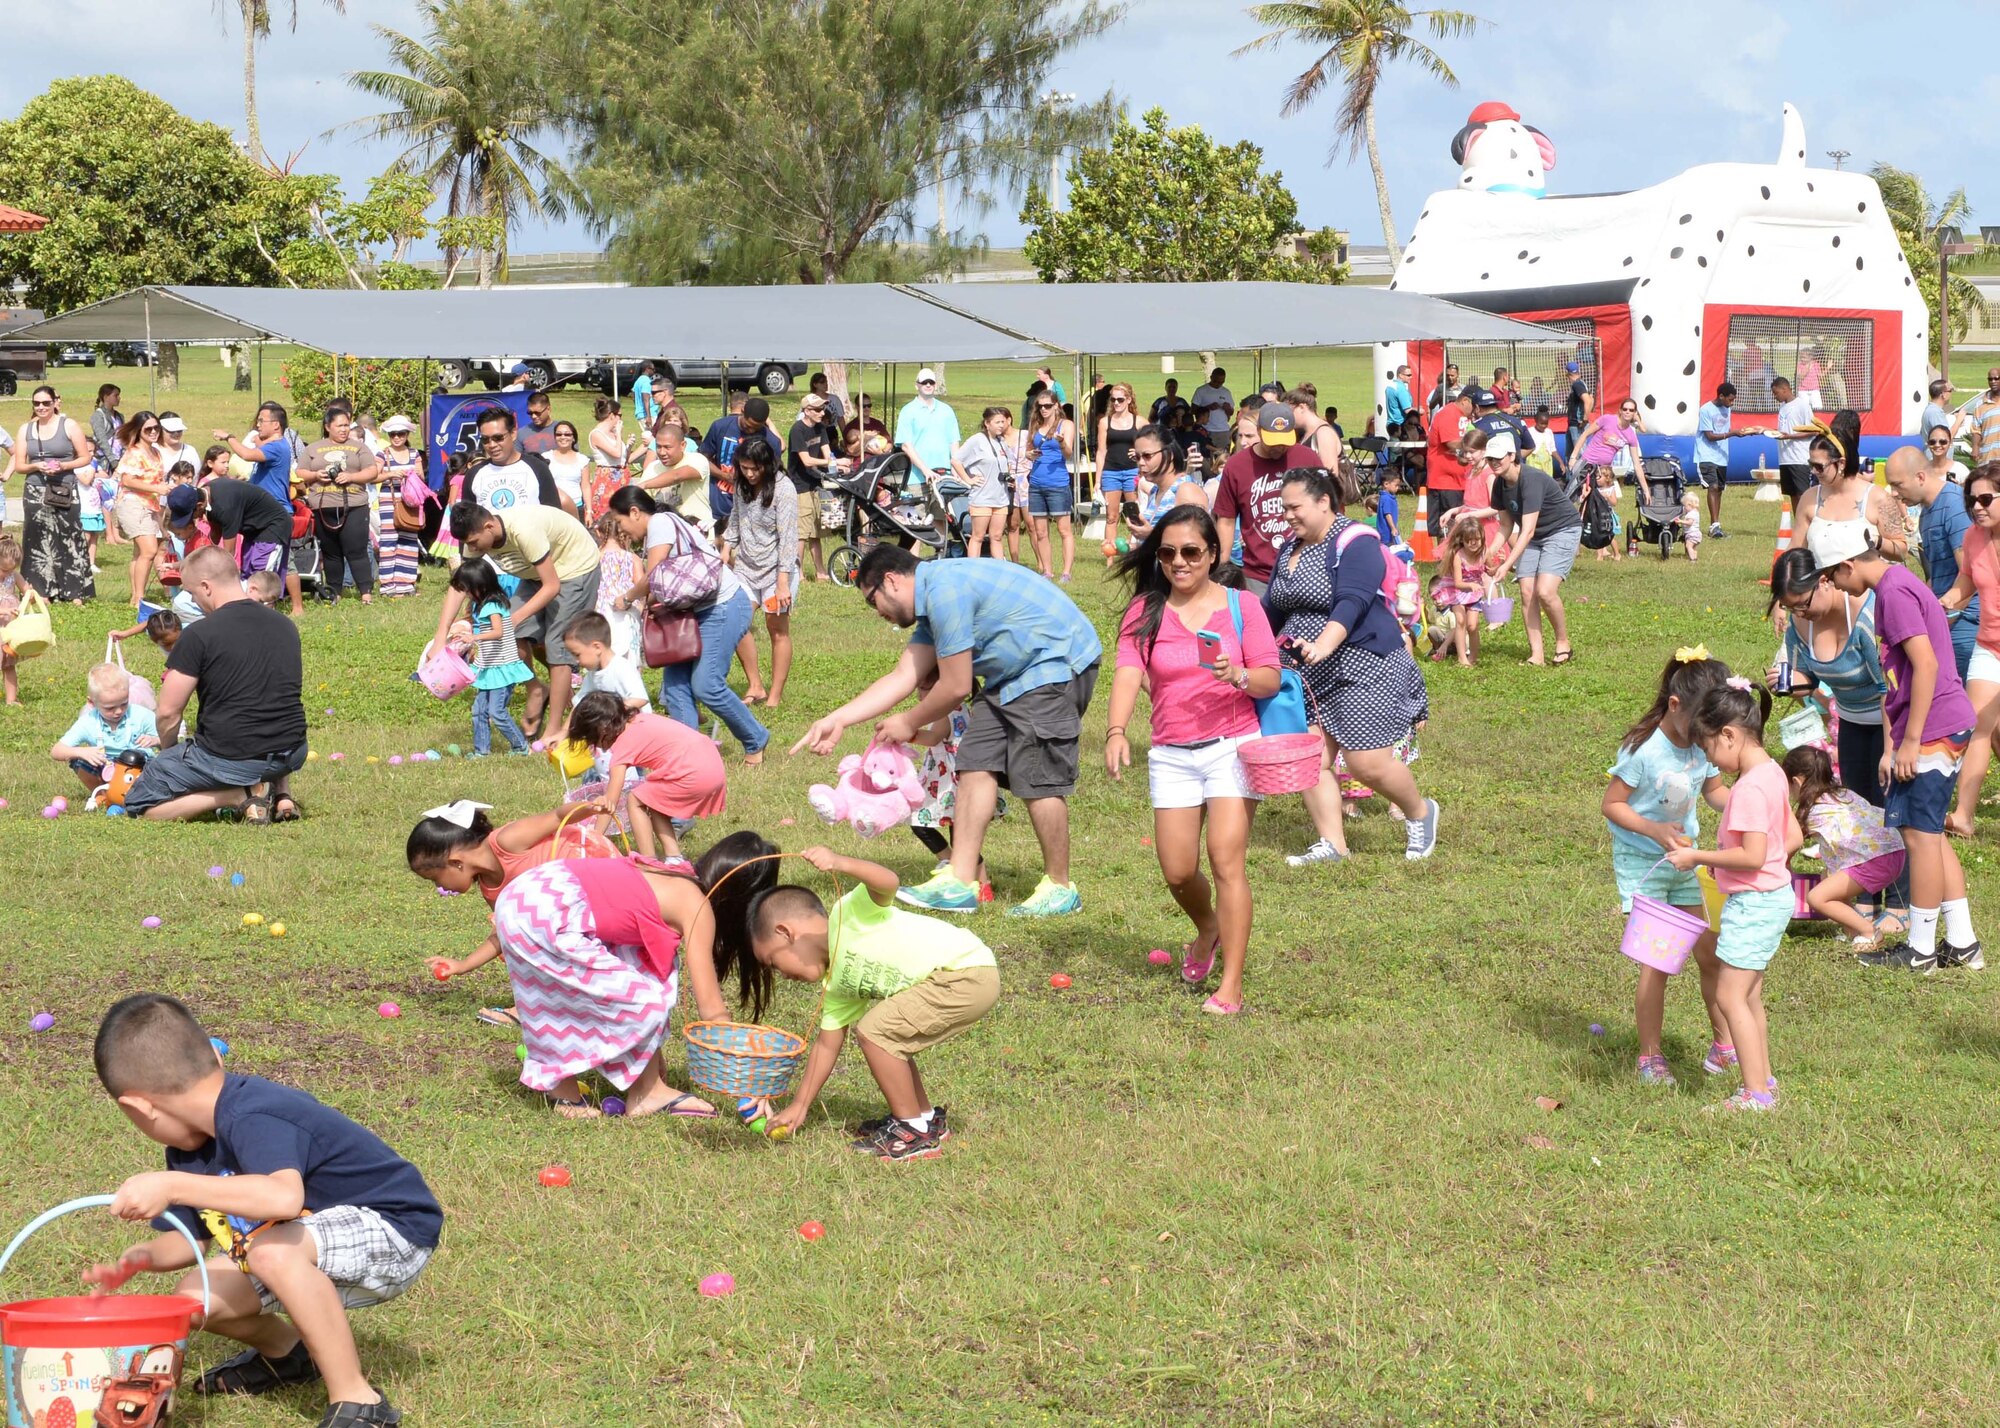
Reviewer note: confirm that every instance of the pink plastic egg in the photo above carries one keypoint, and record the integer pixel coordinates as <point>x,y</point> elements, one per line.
<point>1159,956</point>
<point>59,804</point>
<point>718,1286</point>
<point>389,1009</point>
<point>395,760</point>
<point>149,922</point>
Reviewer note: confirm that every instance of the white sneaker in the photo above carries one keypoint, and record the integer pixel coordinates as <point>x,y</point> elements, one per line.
<point>1320,852</point>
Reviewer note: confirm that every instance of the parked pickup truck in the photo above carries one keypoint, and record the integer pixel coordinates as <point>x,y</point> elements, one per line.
<point>770,378</point>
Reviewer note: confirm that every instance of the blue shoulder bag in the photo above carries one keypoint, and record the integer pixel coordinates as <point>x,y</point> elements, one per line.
<point>1285,711</point>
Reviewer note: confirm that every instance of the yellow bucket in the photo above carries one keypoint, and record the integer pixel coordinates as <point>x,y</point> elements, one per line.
<point>572,758</point>
<point>1711,898</point>
<point>32,632</point>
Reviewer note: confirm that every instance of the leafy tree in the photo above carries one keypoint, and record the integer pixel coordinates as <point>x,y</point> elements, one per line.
<point>1170,205</point>
<point>469,119</point>
<point>1917,221</point>
<point>135,193</point>
<point>362,244</point>
<point>1357,41</point>
<point>746,141</point>
<point>256,18</point>
<point>381,386</point>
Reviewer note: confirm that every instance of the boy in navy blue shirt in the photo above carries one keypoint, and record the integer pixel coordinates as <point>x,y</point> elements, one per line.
<point>314,1214</point>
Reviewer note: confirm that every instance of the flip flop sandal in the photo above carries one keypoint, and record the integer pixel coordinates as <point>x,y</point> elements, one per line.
<point>562,1107</point>
<point>509,1017</point>
<point>250,1372</point>
<point>1216,1006</point>
<point>1562,657</point>
<point>257,812</point>
<point>674,1108</point>
<point>286,810</point>
<point>1195,973</point>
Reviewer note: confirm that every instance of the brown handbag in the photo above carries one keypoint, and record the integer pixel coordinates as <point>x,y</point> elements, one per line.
<point>669,637</point>
<point>407,518</point>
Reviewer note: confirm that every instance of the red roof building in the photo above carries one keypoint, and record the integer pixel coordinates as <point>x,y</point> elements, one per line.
<point>19,220</point>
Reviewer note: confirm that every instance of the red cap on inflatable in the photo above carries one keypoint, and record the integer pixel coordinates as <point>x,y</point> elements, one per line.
<point>1491,111</point>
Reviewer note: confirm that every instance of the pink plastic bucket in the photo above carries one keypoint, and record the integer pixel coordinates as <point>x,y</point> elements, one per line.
<point>1660,935</point>
<point>443,673</point>
<point>1282,763</point>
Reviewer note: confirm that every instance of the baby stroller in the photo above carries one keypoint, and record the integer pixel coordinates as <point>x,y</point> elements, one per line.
<point>888,498</point>
<point>1662,515</point>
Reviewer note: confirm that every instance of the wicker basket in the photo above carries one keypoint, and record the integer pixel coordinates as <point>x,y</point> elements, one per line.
<point>739,1059</point>
<point>1282,763</point>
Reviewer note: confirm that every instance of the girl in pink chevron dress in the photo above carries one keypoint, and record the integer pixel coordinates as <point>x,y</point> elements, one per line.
<point>593,949</point>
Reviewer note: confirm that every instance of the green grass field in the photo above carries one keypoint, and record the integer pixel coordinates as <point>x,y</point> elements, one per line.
<point>1343,1207</point>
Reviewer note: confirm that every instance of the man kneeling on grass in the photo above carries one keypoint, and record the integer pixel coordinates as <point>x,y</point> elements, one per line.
<point>314,1215</point>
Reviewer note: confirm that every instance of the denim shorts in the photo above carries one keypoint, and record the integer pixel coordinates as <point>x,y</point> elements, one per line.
<point>1753,924</point>
<point>188,768</point>
<point>1921,804</point>
<point>1553,556</point>
<point>1049,501</point>
<point>1119,480</point>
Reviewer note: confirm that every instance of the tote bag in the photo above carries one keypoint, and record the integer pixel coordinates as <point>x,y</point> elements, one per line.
<point>1285,711</point>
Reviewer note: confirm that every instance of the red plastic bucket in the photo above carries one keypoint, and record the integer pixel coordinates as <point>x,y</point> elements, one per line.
<point>62,1357</point>
<point>1278,764</point>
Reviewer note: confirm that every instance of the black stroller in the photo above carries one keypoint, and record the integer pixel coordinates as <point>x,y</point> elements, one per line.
<point>887,498</point>
<point>1661,492</point>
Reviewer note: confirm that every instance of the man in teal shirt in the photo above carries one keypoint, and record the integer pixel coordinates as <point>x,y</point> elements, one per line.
<point>926,427</point>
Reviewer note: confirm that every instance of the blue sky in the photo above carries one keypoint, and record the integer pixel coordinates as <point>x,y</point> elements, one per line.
<point>1670,86</point>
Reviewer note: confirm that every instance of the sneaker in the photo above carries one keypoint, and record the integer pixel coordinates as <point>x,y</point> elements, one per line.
<point>1902,958</point>
<point>1050,899</point>
<point>1970,958</point>
<point>1420,836</point>
<point>869,1129</point>
<point>900,1141</point>
<point>1720,1059</point>
<point>1744,1101</point>
<point>1654,1071</point>
<point>1320,852</point>
<point>382,1414</point>
<point>941,892</point>
<point>1716,532</point>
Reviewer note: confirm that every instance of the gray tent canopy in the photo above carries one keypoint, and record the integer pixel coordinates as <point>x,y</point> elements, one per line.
<point>857,322</point>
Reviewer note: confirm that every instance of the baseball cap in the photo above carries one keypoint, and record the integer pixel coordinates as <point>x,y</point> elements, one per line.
<point>1274,425</point>
<point>172,424</point>
<point>1471,390</point>
<point>399,422</point>
<point>1572,367</point>
<point>181,501</point>
<point>1842,542</point>
<point>812,402</point>
<point>926,375</point>
<point>1485,397</point>
<point>1502,443</point>
<point>519,369</point>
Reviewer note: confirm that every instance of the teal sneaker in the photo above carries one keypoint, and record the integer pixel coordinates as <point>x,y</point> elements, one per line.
<point>941,892</point>
<point>1050,899</point>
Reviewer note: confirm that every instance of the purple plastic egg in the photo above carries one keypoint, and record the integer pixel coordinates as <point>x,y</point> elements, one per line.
<point>59,804</point>
<point>395,760</point>
<point>149,922</point>
<point>612,1106</point>
<point>1597,1028</point>
<point>218,871</point>
<point>41,1021</point>
<point>51,812</point>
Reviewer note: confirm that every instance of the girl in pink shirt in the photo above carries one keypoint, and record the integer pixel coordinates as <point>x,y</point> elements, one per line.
<point>683,774</point>
<point>1751,862</point>
<point>1204,654</point>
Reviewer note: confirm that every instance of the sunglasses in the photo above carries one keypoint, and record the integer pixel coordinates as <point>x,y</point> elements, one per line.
<point>492,438</point>
<point>1045,406</point>
<point>149,430</point>
<point>1183,554</point>
<point>1819,468</point>
<point>40,402</point>
<point>1938,445</point>
<point>1145,455</point>
<point>1982,500</point>
<point>927,384</point>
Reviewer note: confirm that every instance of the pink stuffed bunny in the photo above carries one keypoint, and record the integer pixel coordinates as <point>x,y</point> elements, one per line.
<point>878,789</point>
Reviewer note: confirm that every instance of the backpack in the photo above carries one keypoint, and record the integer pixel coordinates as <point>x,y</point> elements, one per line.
<point>1399,581</point>
<point>1600,522</point>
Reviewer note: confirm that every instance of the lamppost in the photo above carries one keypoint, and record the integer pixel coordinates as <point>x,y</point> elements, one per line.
<point>1056,102</point>
<point>1839,157</point>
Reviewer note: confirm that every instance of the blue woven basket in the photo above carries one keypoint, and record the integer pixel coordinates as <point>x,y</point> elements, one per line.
<point>738,1059</point>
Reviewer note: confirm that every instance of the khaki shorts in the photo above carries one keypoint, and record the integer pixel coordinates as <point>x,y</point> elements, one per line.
<point>934,1010</point>
<point>135,518</point>
<point>808,514</point>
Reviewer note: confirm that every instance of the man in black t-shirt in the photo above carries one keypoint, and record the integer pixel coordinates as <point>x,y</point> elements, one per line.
<point>809,458</point>
<point>244,664</point>
<point>1576,407</point>
<point>236,508</point>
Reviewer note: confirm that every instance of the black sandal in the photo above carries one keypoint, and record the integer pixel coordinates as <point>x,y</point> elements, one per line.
<point>251,1372</point>
<point>257,810</point>
<point>381,1414</point>
<point>285,809</point>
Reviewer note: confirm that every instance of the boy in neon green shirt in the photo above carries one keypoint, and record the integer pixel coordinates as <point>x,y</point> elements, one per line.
<point>903,981</point>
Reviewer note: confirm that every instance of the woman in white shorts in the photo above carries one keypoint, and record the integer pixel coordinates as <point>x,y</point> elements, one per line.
<point>986,462</point>
<point>141,485</point>
<point>1204,654</point>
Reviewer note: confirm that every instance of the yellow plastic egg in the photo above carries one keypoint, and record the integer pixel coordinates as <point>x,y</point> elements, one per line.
<point>277,929</point>
<point>311,754</point>
<point>251,919</point>
<point>373,760</point>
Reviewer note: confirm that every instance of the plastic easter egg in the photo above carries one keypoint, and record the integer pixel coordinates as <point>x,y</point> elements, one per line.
<point>59,804</point>
<point>277,929</point>
<point>221,1046</point>
<point>217,871</point>
<point>1060,981</point>
<point>149,922</point>
<point>555,1176</point>
<point>253,919</point>
<point>389,1010</point>
<point>236,880</point>
<point>1597,1028</point>
<point>442,973</point>
<point>114,810</point>
<point>3,803</point>
<point>431,756</point>
<point>373,759</point>
<point>51,812</point>
<point>1159,957</point>
<point>41,1021</point>
<point>395,761</point>
<point>718,1286</point>
<point>453,750</point>
<point>311,754</point>
<point>612,1105</point>
<point>812,1230</point>
<point>521,1051</point>
<point>335,758</point>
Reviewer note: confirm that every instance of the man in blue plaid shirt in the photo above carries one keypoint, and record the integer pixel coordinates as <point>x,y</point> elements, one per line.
<point>1034,657</point>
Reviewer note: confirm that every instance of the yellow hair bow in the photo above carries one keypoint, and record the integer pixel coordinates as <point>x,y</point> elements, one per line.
<point>1690,654</point>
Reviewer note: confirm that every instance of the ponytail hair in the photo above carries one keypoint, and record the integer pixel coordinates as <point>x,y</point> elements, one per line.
<point>730,895</point>
<point>1814,772</point>
<point>1734,704</point>
<point>1689,675</point>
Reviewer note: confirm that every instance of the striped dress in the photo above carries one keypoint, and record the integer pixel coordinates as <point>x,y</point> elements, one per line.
<point>396,550</point>
<point>584,1005</point>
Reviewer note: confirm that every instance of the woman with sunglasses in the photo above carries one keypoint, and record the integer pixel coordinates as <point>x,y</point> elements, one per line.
<point>1979,573</point>
<point>1830,641</point>
<point>761,544</point>
<point>1845,499</point>
<point>1164,481</point>
<point>985,462</point>
<point>1611,439</point>
<point>570,466</point>
<point>398,552</point>
<point>52,453</point>
<point>142,485</point>
<point>1117,473</point>
<point>1052,438</point>
<point>1937,451</point>
<point>1364,692</point>
<point>1203,653</point>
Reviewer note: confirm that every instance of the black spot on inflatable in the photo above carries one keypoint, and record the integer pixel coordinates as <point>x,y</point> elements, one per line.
<point>1676,252</point>
<point>1626,264</point>
<point>1765,191</point>
<point>1650,403</point>
<point>1836,240</point>
<point>1753,250</point>
<point>1522,254</point>
<point>1857,265</point>
<point>1647,323</point>
<point>1680,407</point>
<point>1688,371</point>
<point>1703,262</point>
<point>1687,218</point>
<point>1806,286</point>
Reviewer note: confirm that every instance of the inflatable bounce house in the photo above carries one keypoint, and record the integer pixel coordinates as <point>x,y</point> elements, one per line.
<point>1738,272</point>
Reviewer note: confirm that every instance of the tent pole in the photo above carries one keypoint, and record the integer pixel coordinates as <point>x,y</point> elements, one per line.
<point>152,367</point>
<point>260,372</point>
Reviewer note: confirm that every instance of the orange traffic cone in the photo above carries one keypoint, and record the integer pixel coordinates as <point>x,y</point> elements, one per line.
<point>1420,538</point>
<point>1784,535</point>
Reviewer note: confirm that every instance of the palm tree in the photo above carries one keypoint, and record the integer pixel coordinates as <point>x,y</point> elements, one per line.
<point>256,16</point>
<point>1919,223</point>
<point>468,118</point>
<point>1357,41</point>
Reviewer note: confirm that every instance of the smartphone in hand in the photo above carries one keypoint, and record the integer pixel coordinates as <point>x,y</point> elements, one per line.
<point>1211,647</point>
